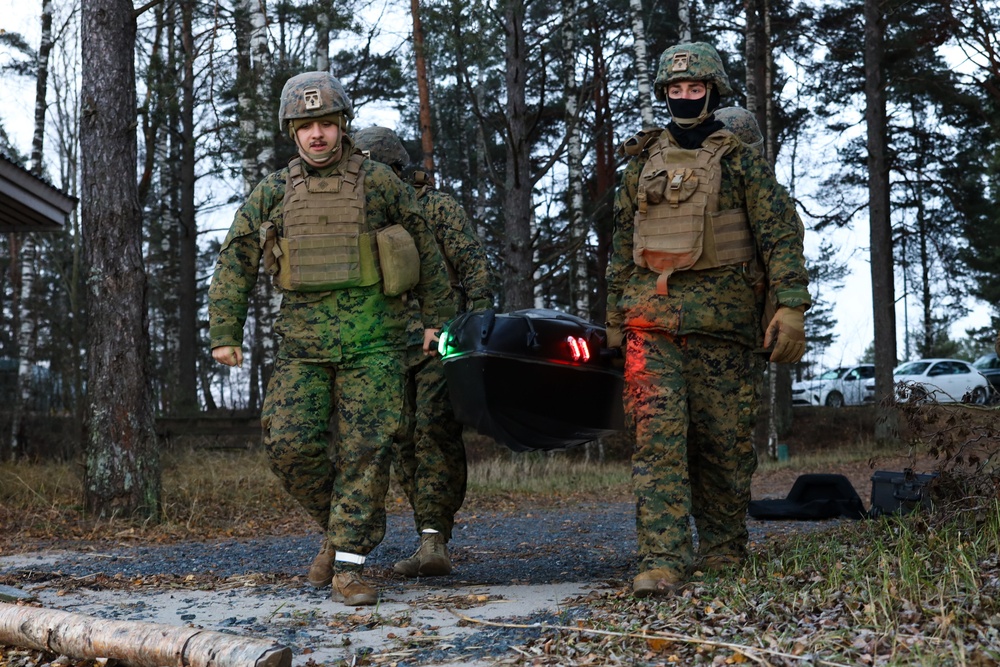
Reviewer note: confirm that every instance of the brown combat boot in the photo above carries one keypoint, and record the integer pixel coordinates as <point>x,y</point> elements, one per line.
<point>658,581</point>
<point>349,588</point>
<point>430,559</point>
<point>719,562</point>
<point>321,570</point>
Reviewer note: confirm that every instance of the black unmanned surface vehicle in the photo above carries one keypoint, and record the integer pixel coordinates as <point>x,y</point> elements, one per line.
<point>534,379</point>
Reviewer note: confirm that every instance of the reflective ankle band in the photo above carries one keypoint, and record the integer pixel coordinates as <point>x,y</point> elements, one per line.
<point>429,531</point>
<point>345,557</point>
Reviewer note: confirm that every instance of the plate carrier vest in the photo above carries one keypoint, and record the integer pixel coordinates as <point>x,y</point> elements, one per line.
<point>325,243</point>
<point>678,225</point>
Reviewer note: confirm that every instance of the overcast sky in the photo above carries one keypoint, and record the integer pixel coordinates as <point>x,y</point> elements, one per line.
<point>853,308</point>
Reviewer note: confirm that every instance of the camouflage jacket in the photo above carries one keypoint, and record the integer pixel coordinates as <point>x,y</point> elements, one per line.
<point>469,268</point>
<point>723,301</point>
<point>322,326</point>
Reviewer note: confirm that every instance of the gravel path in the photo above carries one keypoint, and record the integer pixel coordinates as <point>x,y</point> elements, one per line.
<point>519,568</point>
<point>582,543</point>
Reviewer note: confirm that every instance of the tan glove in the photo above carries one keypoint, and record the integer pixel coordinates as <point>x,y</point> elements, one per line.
<point>787,331</point>
<point>615,336</point>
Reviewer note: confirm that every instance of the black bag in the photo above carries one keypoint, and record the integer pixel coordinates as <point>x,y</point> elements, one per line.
<point>813,496</point>
<point>533,379</point>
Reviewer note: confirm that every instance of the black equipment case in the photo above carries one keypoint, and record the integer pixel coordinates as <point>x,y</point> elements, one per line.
<point>534,379</point>
<point>900,492</point>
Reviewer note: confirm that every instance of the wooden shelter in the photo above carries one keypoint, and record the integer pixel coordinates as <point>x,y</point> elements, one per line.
<point>29,203</point>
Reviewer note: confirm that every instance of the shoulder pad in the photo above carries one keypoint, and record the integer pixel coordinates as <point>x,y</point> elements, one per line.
<point>637,143</point>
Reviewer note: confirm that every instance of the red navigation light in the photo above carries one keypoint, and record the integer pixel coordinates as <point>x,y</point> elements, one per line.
<point>578,349</point>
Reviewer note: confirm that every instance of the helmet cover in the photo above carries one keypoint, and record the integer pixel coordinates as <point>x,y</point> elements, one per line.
<point>695,61</point>
<point>383,145</point>
<point>742,123</point>
<point>313,95</point>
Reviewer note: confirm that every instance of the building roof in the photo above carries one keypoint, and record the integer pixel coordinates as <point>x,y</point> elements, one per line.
<point>29,203</point>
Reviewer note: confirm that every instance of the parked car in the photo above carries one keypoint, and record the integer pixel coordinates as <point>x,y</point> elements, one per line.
<point>835,388</point>
<point>941,380</point>
<point>989,366</point>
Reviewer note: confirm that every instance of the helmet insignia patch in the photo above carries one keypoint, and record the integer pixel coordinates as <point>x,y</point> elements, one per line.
<point>681,61</point>
<point>313,100</point>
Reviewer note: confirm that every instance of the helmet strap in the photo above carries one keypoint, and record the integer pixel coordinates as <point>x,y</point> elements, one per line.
<point>326,157</point>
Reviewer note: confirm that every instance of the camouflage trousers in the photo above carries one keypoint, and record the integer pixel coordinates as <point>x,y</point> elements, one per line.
<point>429,457</point>
<point>692,402</point>
<point>342,487</point>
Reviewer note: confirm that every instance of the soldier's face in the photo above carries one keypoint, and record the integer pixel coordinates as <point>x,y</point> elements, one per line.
<point>317,140</point>
<point>686,90</point>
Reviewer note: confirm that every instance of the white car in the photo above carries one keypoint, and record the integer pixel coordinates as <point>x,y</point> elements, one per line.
<point>835,388</point>
<point>940,380</point>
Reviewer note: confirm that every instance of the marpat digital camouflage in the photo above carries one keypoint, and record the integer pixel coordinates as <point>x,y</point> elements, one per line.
<point>340,350</point>
<point>692,355</point>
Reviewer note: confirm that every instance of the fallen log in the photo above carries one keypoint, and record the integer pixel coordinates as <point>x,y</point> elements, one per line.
<point>133,643</point>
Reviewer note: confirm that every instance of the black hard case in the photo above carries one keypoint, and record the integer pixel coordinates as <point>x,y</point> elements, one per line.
<point>511,376</point>
<point>900,492</point>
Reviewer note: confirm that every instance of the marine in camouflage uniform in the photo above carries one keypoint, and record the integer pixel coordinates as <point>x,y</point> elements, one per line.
<point>692,326</point>
<point>342,350</point>
<point>429,457</point>
<point>742,123</point>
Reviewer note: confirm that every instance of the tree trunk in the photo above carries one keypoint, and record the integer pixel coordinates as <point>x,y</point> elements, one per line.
<point>186,392</point>
<point>641,64</point>
<point>579,290</point>
<point>605,177</point>
<point>419,53</point>
<point>132,642</point>
<point>322,58</point>
<point>759,102</point>
<point>257,129</point>
<point>517,200</point>
<point>684,8</point>
<point>883,288</point>
<point>122,474</point>
<point>27,259</point>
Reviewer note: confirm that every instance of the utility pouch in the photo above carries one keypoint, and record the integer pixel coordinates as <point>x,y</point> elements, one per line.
<point>271,252</point>
<point>398,259</point>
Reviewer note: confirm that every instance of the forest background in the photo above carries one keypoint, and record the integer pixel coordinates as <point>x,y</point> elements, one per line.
<point>517,107</point>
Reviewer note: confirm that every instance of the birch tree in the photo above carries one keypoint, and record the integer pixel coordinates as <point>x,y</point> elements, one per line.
<point>641,65</point>
<point>578,282</point>
<point>257,138</point>
<point>28,252</point>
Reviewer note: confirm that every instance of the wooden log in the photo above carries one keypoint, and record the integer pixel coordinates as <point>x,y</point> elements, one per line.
<point>134,643</point>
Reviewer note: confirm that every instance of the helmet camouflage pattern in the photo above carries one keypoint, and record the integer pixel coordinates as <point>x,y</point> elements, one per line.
<point>313,95</point>
<point>695,61</point>
<point>382,145</point>
<point>742,123</point>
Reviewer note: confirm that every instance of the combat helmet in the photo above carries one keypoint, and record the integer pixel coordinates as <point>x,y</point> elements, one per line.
<point>743,124</point>
<point>383,145</point>
<point>313,95</point>
<point>694,61</point>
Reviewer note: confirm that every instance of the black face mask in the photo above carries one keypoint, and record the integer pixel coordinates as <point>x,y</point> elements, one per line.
<point>691,109</point>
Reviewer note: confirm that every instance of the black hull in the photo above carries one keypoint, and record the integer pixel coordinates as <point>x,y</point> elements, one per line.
<point>510,378</point>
